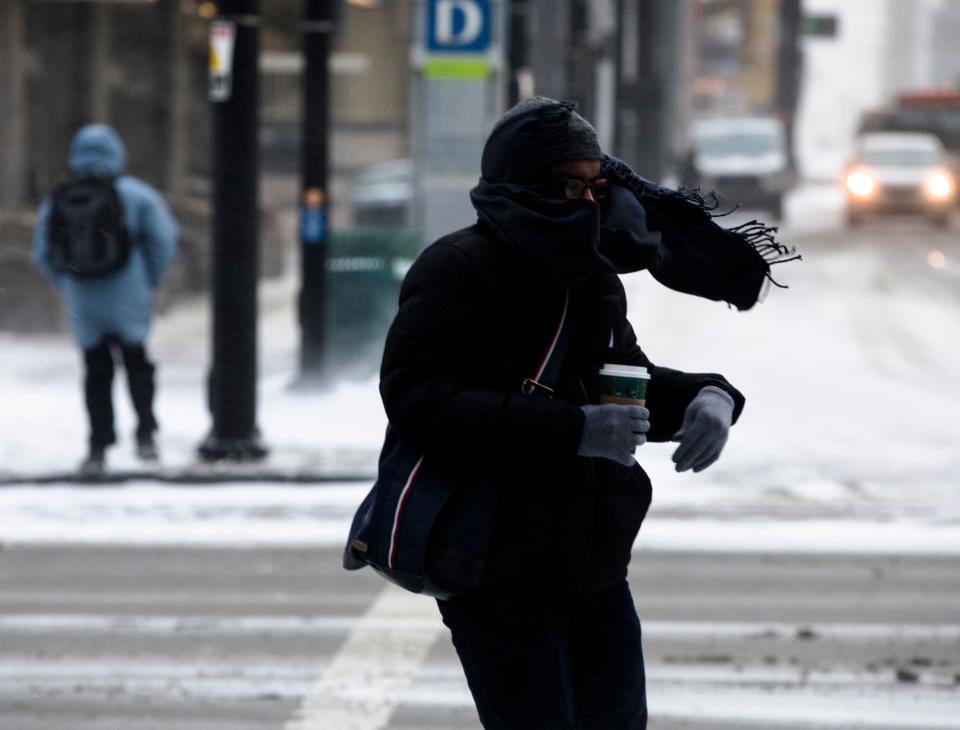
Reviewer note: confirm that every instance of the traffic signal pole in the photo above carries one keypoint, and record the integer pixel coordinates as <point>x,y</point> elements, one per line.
<point>317,26</point>
<point>234,47</point>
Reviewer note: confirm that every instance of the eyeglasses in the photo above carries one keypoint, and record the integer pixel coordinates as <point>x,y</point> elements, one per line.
<point>574,188</point>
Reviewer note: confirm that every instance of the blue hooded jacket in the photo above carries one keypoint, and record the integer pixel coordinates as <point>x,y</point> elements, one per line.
<point>118,304</point>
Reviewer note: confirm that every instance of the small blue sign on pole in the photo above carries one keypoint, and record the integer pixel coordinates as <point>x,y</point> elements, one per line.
<point>313,217</point>
<point>313,225</point>
<point>458,26</point>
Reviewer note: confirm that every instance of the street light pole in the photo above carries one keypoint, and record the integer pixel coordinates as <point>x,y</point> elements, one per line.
<point>234,49</point>
<point>318,24</point>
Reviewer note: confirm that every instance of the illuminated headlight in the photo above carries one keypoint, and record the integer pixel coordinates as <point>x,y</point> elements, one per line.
<point>860,183</point>
<point>940,185</point>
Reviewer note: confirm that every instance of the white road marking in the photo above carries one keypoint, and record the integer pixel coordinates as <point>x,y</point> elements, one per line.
<point>242,677</point>
<point>762,706</point>
<point>821,536</point>
<point>381,654</point>
<point>380,665</point>
<point>844,708</point>
<point>248,674</point>
<point>364,683</point>
<point>398,618</point>
<point>107,597</point>
<point>155,624</point>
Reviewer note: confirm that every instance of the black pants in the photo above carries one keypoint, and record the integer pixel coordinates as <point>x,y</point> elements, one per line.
<point>551,662</point>
<point>98,389</point>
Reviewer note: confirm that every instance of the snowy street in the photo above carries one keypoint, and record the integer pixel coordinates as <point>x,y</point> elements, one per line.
<point>134,638</point>
<point>807,580</point>
<point>224,198</point>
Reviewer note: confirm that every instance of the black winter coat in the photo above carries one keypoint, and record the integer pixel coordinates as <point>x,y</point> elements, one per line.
<point>473,323</point>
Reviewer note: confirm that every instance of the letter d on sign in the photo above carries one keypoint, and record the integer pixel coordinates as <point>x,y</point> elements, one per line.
<point>458,26</point>
<point>448,11</point>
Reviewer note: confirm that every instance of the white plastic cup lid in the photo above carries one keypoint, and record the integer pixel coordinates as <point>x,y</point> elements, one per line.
<point>625,371</point>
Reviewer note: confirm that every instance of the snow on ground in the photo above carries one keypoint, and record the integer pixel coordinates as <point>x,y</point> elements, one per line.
<point>264,515</point>
<point>851,384</point>
<point>850,377</point>
<point>43,421</point>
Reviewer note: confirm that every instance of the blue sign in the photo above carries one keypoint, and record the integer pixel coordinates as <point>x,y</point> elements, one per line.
<point>313,224</point>
<point>458,26</point>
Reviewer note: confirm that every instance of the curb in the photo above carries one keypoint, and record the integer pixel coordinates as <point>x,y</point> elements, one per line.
<point>183,477</point>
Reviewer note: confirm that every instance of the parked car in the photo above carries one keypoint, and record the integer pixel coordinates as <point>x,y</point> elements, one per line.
<point>743,159</point>
<point>896,173</point>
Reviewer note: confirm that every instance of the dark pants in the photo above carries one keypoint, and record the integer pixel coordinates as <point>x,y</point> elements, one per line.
<point>537,661</point>
<point>98,389</point>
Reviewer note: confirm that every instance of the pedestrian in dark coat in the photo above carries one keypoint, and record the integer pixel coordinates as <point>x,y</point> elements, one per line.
<point>551,638</point>
<point>111,313</point>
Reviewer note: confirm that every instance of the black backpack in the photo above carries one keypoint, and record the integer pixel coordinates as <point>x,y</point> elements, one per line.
<point>88,231</point>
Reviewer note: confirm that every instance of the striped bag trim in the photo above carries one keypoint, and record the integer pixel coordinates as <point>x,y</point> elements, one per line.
<point>396,517</point>
<point>530,385</point>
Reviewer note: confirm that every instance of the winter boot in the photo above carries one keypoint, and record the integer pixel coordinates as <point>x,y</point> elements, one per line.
<point>147,448</point>
<point>96,462</point>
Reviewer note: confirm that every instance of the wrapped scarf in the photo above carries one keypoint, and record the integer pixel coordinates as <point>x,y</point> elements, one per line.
<point>697,256</point>
<point>639,225</point>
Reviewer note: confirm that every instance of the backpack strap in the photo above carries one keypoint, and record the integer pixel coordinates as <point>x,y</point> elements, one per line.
<point>548,371</point>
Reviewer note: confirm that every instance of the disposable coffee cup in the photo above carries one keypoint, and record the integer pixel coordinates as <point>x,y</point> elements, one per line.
<point>624,384</point>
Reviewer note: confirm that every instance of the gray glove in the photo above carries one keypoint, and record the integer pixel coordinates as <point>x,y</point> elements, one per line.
<point>613,431</point>
<point>704,431</point>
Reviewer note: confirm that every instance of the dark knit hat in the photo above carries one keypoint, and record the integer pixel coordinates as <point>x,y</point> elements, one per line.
<point>534,134</point>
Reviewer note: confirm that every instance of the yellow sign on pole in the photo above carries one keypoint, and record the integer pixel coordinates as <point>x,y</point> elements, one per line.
<point>223,35</point>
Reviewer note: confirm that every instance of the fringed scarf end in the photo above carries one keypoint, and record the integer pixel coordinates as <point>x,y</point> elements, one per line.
<point>762,238</point>
<point>759,237</point>
<point>774,262</point>
<point>707,202</point>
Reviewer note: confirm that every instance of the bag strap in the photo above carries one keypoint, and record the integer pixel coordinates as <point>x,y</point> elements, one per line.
<point>552,361</point>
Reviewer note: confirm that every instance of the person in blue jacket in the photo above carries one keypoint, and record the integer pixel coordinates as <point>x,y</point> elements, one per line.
<point>110,313</point>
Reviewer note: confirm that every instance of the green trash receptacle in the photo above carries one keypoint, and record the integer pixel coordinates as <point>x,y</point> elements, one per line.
<point>365,267</point>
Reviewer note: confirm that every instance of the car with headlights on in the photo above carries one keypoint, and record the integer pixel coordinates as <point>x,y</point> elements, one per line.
<point>897,173</point>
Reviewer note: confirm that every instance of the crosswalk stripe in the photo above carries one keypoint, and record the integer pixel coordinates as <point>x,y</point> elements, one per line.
<point>381,654</point>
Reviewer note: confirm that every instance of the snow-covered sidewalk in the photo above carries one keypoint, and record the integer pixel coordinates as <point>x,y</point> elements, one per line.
<point>267,514</point>
<point>852,393</point>
<point>43,422</point>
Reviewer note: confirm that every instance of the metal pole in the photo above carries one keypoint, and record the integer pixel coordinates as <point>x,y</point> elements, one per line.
<point>580,61</point>
<point>178,131</point>
<point>789,70</point>
<point>318,24</point>
<point>13,90</point>
<point>650,58</point>
<point>519,52</point>
<point>233,379</point>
